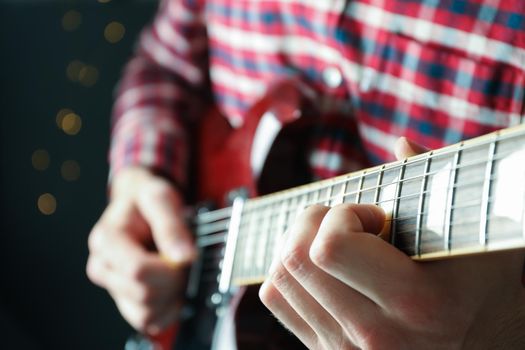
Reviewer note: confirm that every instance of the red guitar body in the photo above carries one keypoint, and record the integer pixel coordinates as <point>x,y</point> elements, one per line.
<point>223,164</point>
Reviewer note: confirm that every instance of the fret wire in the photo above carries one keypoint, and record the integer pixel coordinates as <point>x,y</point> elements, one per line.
<point>300,190</point>
<point>412,178</point>
<point>378,184</point>
<point>419,222</point>
<point>284,211</point>
<point>343,191</point>
<point>360,187</point>
<point>414,195</point>
<point>463,205</point>
<point>483,227</point>
<point>266,232</point>
<point>396,203</point>
<point>329,195</point>
<point>453,223</point>
<point>408,217</point>
<point>450,197</point>
<point>269,242</point>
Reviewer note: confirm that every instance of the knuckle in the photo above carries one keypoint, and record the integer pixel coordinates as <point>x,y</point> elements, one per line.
<point>92,270</point>
<point>294,257</point>
<point>96,238</point>
<point>325,249</point>
<point>138,272</point>
<point>159,189</point>
<point>279,277</point>
<point>346,209</point>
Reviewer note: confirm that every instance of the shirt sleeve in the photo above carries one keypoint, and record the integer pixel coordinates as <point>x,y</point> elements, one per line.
<point>162,90</point>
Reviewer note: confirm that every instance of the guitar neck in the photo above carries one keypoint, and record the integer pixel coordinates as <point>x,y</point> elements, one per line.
<point>463,199</point>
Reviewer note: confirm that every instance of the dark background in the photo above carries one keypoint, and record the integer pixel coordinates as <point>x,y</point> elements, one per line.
<point>46,300</point>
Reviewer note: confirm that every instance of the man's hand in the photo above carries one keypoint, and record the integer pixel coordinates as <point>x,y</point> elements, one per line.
<point>139,247</point>
<point>337,285</point>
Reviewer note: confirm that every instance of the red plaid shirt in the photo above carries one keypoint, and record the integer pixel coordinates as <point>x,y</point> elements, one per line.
<point>436,71</point>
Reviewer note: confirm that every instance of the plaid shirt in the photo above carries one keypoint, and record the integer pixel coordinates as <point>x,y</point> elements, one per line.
<point>436,71</point>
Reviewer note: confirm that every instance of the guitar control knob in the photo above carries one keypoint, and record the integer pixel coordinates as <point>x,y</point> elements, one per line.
<point>216,298</point>
<point>140,342</point>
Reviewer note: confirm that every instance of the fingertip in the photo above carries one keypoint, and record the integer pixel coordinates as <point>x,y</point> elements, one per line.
<point>400,148</point>
<point>372,217</point>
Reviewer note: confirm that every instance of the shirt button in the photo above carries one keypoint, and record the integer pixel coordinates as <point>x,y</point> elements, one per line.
<point>332,77</point>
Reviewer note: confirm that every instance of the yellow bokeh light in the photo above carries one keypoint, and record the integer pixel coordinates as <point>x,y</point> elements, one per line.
<point>70,170</point>
<point>40,159</point>
<point>71,124</point>
<point>60,116</point>
<point>73,70</point>
<point>114,32</point>
<point>71,20</point>
<point>88,76</point>
<point>47,204</point>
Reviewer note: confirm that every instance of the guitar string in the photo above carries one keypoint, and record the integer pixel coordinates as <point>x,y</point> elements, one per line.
<point>245,234</point>
<point>293,208</point>
<point>253,203</point>
<point>400,197</point>
<point>306,189</point>
<point>256,203</point>
<point>223,213</point>
<point>218,255</point>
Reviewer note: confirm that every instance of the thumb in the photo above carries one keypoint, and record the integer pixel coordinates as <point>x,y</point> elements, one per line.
<point>161,205</point>
<point>405,148</point>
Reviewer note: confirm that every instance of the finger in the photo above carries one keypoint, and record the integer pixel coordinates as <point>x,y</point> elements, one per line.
<point>322,323</point>
<point>275,302</point>
<point>131,261</point>
<point>152,288</point>
<point>144,319</point>
<point>405,148</point>
<point>362,260</point>
<point>351,309</point>
<point>162,208</point>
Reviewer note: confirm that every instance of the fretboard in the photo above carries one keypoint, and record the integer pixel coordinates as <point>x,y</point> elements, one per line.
<point>463,199</point>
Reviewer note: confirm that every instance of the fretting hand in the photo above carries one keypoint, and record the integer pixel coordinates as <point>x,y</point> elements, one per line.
<point>337,285</point>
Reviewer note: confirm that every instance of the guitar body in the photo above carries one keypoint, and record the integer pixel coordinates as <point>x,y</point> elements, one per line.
<point>224,165</point>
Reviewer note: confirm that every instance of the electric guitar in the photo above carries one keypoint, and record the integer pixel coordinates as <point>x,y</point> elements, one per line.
<point>468,198</point>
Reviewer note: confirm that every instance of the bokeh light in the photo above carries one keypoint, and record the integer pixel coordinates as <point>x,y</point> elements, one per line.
<point>60,116</point>
<point>71,20</point>
<point>71,124</point>
<point>73,70</point>
<point>40,159</point>
<point>47,204</point>
<point>70,170</point>
<point>88,76</point>
<point>114,32</point>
